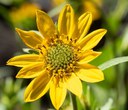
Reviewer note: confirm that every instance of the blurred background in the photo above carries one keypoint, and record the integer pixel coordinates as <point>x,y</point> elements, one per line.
<point>110,94</point>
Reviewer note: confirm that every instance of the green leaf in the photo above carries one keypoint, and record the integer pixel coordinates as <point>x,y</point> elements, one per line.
<point>113,62</point>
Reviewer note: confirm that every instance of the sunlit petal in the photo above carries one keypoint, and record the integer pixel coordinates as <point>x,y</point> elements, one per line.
<point>30,38</point>
<point>84,23</point>
<point>90,73</point>
<point>37,88</point>
<point>57,93</point>
<point>88,56</point>
<point>66,22</point>
<point>31,71</point>
<point>45,24</point>
<point>74,85</point>
<point>24,60</point>
<point>92,39</point>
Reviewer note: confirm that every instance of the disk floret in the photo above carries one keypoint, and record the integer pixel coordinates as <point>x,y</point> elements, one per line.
<point>59,56</point>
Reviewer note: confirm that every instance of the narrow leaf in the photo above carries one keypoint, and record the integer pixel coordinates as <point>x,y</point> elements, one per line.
<point>113,62</point>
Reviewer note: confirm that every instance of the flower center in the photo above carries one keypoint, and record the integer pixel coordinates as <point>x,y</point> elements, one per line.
<point>60,56</point>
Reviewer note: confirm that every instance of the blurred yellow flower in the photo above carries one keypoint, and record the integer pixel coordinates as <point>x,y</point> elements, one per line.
<point>64,55</point>
<point>27,10</point>
<point>57,2</point>
<point>93,6</point>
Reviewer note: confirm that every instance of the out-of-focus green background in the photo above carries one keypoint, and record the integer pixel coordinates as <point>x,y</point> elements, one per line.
<point>110,94</point>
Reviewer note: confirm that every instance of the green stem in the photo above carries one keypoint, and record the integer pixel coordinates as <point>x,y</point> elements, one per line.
<point>74,103</point>
<point>87,107</point>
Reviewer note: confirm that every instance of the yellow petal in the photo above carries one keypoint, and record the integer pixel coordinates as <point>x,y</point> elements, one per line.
<point>84,23</point>
<point>90,73</point>
<point>74,85</point>
<point>30,38</point>
<point>37,88</point>
<point>23,60</point>
<point>88,56</point>
<point>92,39</point>
<point>66,22</point>
<point>57,94</point>
<point>31,71</point>
<point>45,24</point>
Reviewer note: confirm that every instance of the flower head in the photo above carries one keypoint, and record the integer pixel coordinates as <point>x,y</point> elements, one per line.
<point>63,59</point>
<point>27,10</point>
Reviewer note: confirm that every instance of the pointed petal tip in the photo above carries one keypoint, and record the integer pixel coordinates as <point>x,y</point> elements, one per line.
<point>56,107</point>
<point>8,62</point>
<point>99,53</point>
<point>102,78</point>
<point>68,5</point>
<point>80,96</point>
<point>88,13</point>
<point>38,11</point>
<point>104,31</point>
<point>17,76</point>
<point>17,29</point>
<point>26,100</point>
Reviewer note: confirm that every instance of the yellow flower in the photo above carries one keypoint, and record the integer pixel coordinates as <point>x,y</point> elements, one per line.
<point>64,55</point>
<point>93,6</point>
<point>57,2</point>
<point>27,10</point>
